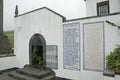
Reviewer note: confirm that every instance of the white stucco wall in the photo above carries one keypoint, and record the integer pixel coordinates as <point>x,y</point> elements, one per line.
<point>108,78</point>
<point>8,62</point>
<point>43,22</point>
<point>111,40</point>
<point>117,77</point>
<point>50,26</point>
<point>91,6</point>
<point>114,6</point>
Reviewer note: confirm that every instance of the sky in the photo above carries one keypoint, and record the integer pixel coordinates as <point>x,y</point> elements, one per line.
<point>70,9</point>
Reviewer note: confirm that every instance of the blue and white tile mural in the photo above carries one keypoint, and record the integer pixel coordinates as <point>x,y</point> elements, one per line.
<point>71,46</point>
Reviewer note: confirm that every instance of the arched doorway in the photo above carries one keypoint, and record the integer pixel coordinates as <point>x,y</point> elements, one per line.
<point>37,50</point>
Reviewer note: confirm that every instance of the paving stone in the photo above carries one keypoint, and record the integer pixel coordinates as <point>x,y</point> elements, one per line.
<point>50,77</point>
<point>18,76</point>
<point>6,78</point>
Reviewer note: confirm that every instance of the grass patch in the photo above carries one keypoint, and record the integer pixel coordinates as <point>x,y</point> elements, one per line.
<point>10,35</point>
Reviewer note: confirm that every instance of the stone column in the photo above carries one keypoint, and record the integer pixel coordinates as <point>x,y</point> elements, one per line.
<point>1,17</point>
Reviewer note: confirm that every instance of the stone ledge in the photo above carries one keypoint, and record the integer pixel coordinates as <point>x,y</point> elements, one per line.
<point>6,55</point>
<point>7,70</point>
<point>109,73</point>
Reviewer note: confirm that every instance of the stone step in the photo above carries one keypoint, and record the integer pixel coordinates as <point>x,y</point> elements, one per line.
<point>6,78</point>
<point>32,72</point>
<point>18,76</point>
<point>50,77</point>
<point>33,66</point>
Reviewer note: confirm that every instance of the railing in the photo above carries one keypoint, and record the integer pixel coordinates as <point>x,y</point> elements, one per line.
<point>51,56</point>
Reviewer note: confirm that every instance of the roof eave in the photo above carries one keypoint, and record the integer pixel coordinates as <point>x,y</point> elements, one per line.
<point>64,18</point>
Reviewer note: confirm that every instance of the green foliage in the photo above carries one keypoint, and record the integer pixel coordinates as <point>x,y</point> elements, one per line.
<point>36,58</point>
<point>10,35</point>
<point>113,60</point>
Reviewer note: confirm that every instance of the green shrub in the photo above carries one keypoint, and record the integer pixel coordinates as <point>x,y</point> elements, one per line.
<point>10,35</point>
<point>113,60</point>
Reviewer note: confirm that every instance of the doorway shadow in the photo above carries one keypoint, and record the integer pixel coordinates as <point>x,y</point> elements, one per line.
<point>37,50</point>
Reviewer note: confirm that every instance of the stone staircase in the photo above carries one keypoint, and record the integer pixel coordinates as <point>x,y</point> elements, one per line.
<point>32,73</point>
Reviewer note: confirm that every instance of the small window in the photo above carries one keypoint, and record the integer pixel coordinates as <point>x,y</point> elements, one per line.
<point>103,8</point>
<point>52,56</point>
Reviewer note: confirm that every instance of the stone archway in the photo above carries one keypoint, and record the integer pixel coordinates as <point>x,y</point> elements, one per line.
<point>37,50</point>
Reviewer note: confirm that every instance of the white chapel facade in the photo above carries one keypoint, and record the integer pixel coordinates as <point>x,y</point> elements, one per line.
<point>72,48</point>
<point>75,49</point>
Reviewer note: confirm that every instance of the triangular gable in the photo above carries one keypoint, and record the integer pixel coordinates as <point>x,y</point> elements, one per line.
<point>64,18</point>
